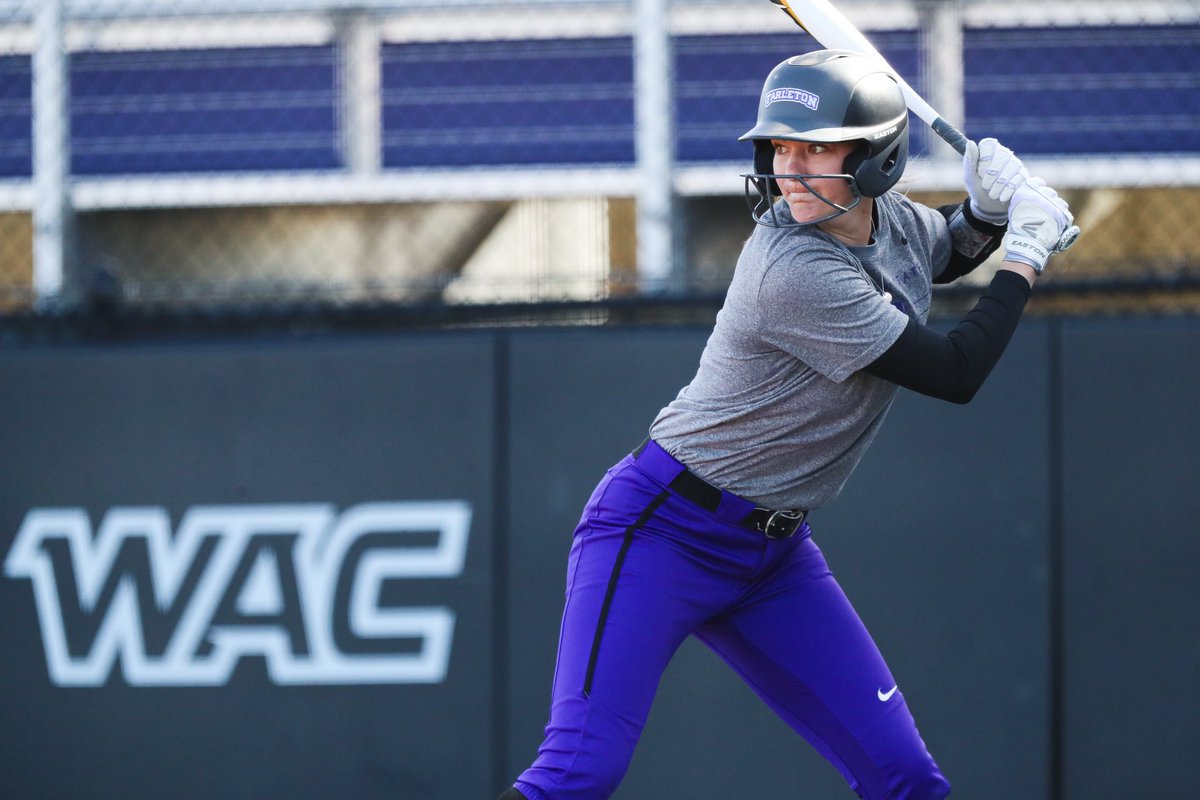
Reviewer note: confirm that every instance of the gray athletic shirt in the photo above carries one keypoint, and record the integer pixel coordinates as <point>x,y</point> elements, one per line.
<point>778,411</point>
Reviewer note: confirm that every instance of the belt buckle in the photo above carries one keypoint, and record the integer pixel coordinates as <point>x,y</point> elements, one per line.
<point>783,524</point>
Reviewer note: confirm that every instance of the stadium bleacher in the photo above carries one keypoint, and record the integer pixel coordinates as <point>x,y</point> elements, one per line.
<point>521,103</point>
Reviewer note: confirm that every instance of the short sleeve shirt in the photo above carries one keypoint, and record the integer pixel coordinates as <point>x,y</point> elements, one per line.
<point>779,410</point>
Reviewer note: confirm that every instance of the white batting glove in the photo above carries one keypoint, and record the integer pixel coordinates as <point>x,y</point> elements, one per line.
<point>992,173</point>
<point>1039,223</point>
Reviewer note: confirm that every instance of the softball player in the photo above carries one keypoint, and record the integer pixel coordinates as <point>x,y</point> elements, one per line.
<point>703,530</point>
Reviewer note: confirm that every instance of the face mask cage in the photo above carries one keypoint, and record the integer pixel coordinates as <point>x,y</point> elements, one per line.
<point>762,200</point>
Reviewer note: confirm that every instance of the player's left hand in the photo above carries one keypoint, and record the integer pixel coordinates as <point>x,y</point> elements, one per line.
<point>992,173</point>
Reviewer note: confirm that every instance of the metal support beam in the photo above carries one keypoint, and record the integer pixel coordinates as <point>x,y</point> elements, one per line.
<point>360,79</point>
<point>52,214</point>
<point>654,144</point>
<point>942,47</point>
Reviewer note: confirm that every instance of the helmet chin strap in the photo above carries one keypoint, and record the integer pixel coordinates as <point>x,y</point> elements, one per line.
<point>766,205</point>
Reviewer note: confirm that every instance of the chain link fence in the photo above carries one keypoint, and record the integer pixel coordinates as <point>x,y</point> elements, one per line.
<point>263,153</point>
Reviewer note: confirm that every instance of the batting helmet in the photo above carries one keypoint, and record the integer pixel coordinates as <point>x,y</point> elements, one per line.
<point>831,96</point>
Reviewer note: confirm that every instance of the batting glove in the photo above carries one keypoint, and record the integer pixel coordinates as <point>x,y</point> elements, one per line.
<point>1039,223</point>
<point>992,173</point>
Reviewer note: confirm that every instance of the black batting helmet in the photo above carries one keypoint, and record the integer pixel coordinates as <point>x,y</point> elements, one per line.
<point>833,96</point>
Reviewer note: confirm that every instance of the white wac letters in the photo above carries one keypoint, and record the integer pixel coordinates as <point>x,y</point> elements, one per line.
<point>299,585</point>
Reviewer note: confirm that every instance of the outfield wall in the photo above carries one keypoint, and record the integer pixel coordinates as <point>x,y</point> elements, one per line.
<point>334,567</point>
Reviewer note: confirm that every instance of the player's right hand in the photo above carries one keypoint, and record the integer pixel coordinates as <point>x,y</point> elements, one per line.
<point>1039,223</point>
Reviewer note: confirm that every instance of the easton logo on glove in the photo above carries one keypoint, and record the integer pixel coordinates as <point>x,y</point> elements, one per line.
<point>1032,228</point>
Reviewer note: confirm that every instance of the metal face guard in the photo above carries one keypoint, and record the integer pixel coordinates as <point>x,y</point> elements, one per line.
<point>761,200</point>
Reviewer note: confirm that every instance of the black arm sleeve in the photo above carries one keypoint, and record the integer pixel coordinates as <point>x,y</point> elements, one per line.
<point>954,366</point>
<point>972,239</point>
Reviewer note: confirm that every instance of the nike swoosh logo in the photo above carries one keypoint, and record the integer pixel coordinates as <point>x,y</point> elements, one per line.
<point>885,696</point>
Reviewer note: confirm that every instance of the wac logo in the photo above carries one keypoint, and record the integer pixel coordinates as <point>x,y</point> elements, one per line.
<point>301,586</point>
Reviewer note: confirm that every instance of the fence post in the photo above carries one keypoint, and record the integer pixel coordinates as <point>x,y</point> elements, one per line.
<point>360,85</point>
<point>53,218</point>
<point>942,50</point>
<point>654,143</point>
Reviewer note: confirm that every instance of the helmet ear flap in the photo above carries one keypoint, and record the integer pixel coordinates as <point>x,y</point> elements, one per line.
<point>854,163</point>
<point>876,172</point>
<point>764,164</point>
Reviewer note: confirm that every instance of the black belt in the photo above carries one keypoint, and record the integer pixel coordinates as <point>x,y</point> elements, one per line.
<point>771,523</point>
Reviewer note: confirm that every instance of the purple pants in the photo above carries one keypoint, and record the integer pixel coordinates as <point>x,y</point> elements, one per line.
<point>647,569</point>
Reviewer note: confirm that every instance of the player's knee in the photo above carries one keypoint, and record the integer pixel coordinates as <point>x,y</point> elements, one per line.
<point>512,794</point>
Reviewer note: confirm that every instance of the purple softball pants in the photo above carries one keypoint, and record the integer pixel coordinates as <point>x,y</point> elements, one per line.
<point>648,568</point>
